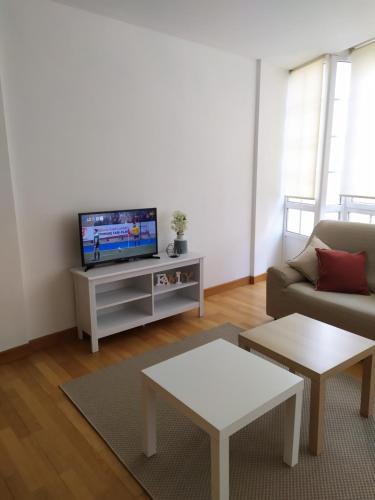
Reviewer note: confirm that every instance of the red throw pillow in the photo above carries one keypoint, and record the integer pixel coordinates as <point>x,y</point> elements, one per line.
<point>342,271</point>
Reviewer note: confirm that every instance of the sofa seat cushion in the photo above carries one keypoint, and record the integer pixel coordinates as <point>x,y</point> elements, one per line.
<point>355,313</point>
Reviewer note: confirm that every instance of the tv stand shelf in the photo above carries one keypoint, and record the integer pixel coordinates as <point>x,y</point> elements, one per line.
<point>112,299</point>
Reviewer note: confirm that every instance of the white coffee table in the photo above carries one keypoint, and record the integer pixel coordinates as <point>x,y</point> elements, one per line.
<point>222,388</point>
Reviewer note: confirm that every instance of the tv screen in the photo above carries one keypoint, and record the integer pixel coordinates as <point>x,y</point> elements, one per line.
<point>117,235</point>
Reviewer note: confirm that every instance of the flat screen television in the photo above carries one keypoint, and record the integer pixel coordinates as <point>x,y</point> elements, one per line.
<point>117,235</point>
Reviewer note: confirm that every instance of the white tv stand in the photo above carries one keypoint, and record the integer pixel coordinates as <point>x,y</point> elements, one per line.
<point>112,299</point>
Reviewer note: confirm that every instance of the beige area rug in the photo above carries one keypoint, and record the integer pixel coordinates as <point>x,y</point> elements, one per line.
<point>110,401</point>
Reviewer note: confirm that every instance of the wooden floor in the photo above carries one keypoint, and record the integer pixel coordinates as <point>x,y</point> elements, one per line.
<point>47,449</point>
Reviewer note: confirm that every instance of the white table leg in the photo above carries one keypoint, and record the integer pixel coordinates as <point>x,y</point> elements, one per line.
<point>220,468</point>
<point>148,418</point>
<point>292,432</point>
<point>80,332</point>
<point>94,343</point>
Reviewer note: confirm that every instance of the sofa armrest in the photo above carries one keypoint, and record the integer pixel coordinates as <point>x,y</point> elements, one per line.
<point>284,275</point>
<point>278,279</point>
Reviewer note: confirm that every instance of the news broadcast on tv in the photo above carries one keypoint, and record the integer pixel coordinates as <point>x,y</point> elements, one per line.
<point>110,236</point>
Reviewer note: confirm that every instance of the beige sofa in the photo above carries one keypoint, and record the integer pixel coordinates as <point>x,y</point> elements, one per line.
<point>289,292</point>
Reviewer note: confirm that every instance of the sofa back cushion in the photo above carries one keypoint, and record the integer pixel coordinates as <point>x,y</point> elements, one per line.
<point>350,237</point>
<point>307,261</point>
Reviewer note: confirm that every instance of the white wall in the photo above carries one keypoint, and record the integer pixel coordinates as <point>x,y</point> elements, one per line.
<point>268,205</point>
<point>104,115</point>
<point>12,307</point>
<point>293,245</point>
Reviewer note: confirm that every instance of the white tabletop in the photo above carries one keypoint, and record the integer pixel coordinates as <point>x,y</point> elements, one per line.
<point>222,383</point>
<point>135,266</point>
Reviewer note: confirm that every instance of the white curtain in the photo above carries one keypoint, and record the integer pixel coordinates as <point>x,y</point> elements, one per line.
<point>359,164</point>
<point>302,129</point>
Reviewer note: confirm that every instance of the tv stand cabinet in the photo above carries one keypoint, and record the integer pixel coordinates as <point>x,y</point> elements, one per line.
<point>115,298</point>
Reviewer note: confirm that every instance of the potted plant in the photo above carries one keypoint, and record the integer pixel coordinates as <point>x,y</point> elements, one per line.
<point>179,224</point>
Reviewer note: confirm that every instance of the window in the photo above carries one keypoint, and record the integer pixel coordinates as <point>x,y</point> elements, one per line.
<point>338,132</point>
<point>300,221</point>
<point>332,216</point>
<point>355,209</point>
<point>363,201</point>
<point>293,220</point>
<point>359,172</point>
<point>356,217</point>
<point>300,215</point>
<point>330,142</point>
<point>302,129</point>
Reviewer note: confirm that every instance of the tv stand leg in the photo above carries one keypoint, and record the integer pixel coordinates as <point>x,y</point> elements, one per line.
<point>94,343</point>
<point>201,289</point>
<point>201,311</point>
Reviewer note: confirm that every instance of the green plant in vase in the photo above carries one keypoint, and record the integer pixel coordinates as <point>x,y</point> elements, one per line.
<point>179,223</point>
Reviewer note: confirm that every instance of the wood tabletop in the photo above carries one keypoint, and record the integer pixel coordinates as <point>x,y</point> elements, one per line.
<point>309,346</point>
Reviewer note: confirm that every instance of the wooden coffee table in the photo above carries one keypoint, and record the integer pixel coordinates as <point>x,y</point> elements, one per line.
<point>318,351</point>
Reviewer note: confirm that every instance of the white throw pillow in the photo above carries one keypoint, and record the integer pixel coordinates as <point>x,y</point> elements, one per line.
<point>307,261</point>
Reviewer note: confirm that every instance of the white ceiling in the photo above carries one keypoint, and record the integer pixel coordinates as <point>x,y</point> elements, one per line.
<point>283,32</point>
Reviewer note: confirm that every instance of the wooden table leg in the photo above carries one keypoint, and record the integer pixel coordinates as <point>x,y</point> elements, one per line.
<point>243,344</point>
<point>317,404</point>
<point>368,386</point>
